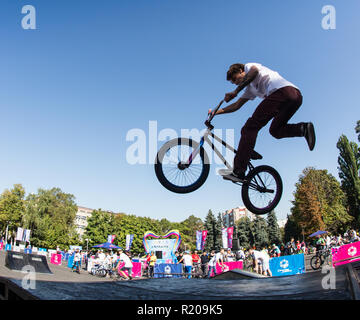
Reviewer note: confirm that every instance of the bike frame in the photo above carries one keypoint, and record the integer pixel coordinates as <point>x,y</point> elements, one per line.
<point>206,138</point>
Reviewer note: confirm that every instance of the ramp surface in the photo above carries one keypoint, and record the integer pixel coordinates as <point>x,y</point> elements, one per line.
<point>17,261</point>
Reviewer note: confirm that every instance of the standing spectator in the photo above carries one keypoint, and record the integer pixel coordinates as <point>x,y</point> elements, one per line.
<point>152,262</point>
<point>204,259</point>
<point>212,263</point>
<point>76,264</point>
<point>275,251</point>
<point>219,257</point>
<point>195,257</point>
<point>240,254</point>
<point>230,257</point>
<point>263,257</point>
<point>188,263</point>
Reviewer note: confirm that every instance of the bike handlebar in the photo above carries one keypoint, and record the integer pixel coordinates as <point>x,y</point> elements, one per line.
<point>212,115</point>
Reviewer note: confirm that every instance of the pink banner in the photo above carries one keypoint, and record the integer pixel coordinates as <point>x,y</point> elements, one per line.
<point>348,252</point>
<point>55,259</point>
<point>1,245</point>
<point>136,269</point>
<point>228,266</point>
<point>203,239</point>
<point>230,232</point>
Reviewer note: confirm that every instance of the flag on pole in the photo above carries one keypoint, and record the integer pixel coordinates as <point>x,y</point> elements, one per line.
<point>230,232</point>
<point>198,240</point>
<point>224,238</point>
<point>19,234</point>
<point>203,239</point>
<point>111,238</point>
<point>129,240</point>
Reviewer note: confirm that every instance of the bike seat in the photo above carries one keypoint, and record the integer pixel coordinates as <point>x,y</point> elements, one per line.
<point>255,155</point>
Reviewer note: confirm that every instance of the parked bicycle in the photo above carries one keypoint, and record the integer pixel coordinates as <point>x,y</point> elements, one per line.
<point>321,257</point>
<point>182,166</point>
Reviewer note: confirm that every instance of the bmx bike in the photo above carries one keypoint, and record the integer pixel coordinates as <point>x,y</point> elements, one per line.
<point>321,257</point>
<point>182,166</point>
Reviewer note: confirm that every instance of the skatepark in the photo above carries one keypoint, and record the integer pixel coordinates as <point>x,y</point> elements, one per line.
<point>62,284</point>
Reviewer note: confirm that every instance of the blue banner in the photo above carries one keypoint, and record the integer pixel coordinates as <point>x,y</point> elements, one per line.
<point>28,251</point>
<point>8,247</point>
<point>198,240</point>
<point>165,270</point>
<point>71,260</point>
<point>287,265</point>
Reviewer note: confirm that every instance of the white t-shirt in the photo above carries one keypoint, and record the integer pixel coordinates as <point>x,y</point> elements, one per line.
<point>219,257</point>
<point>261,255</point>
<point>126,260</point>
<point>266,82</point>
<point>101,256</point>
<point>187,260</point>
<point>77,257</point>
<point>212,261</point>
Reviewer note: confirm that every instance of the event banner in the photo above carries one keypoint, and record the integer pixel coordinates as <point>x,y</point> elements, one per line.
<point>287,265</point>
<point>227,267</point>
<point>230,232</point>
<point>203,239</point>
<point>23,235</point>
<point>349,252</point>
<point>198,240</point>
<point>111,238</point>
<point>129,240</point>
<point>42,251</point>
<point>135,271</point>
<point>224,238</point>
<point>166,246</point>
<point>165,270</point>
<point>55,259</point>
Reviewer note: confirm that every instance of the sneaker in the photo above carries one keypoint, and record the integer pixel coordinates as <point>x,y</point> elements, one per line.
<point>309,134</point>
<point>235,177</point>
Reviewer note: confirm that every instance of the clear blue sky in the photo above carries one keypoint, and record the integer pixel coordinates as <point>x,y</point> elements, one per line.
<point>93,70</point>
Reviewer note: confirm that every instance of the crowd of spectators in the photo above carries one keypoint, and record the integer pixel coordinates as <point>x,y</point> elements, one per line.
<point>204,263</point>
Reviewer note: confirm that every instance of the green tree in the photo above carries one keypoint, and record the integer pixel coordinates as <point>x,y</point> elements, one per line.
<point>291,229</point>
<point>319,203</point>
<point>349,165</point>
<point>244,232</point>
<point>211,226</point>
<point>50,215</point>
<point>259,231</point>
<point>100,225</point>
<point>12,206</point>
<point>357,129</point>
<point>273,228</point>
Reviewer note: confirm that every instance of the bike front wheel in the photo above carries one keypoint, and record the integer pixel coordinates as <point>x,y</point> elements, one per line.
<point>172,170</point>
<point>262,191</point>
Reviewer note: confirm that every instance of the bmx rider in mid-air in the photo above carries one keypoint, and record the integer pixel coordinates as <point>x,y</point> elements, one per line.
<point>281,99</point>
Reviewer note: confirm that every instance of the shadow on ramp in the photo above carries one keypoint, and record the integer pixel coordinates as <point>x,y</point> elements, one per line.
<point>238,274</point>
<point>18,261</point>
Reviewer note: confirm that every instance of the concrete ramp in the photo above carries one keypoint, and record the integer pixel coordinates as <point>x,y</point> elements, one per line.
<point>16,261</point>
<point>238,274</point>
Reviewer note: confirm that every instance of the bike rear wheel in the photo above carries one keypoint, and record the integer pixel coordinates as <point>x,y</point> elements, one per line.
<point>316,262</point>
<point>262,191</point>
<point>172,171</point>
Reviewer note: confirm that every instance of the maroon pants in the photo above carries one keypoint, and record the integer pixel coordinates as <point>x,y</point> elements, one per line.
<point>279,106</point>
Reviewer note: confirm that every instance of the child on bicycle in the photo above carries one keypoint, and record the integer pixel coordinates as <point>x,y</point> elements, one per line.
<point>281,99</point>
